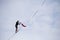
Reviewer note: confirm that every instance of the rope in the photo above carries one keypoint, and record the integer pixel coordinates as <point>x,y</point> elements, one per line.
<point>11,36</point>
<point>43,2</point>
<point>30,18</point>
<point>38,9</point>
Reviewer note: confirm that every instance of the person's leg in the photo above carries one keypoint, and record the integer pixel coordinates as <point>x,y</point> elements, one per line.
<point>16,29</point>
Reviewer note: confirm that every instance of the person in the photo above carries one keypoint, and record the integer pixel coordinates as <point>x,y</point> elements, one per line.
<point>16,26</point>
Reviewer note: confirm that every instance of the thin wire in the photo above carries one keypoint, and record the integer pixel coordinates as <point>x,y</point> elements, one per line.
<point>30,18</point>
<point>36,11</point>
<point>43,3</point>
<point>11,36</point>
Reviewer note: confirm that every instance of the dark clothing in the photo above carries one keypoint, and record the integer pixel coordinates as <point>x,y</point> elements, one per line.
<point>16,25</point>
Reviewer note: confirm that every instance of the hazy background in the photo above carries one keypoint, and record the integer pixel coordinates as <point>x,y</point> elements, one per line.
<point>45,25</point>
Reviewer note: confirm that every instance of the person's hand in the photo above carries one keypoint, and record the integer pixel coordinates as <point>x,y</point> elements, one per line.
<point>23,25</point>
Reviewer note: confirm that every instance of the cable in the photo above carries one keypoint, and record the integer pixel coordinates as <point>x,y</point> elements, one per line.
<point>43,2</point>
<point>11,36</point>
<point>30,18</point>
<point>36,11</point>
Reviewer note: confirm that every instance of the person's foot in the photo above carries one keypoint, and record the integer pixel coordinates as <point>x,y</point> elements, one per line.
<point>16,31</point>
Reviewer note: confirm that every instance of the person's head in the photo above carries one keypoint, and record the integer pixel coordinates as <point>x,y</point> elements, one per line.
<point>17,20</point>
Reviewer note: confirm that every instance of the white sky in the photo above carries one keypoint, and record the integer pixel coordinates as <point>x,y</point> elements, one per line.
<point>45,25</point>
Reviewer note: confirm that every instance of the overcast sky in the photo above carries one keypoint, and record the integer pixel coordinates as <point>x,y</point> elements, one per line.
<point>45,25</point>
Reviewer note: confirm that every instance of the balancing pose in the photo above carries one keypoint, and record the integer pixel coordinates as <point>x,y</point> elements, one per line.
<point>16,25</point>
